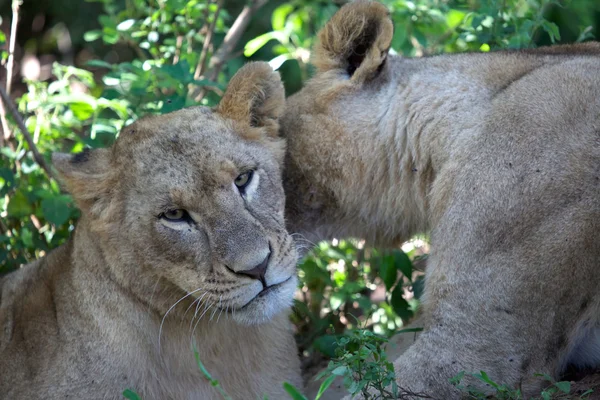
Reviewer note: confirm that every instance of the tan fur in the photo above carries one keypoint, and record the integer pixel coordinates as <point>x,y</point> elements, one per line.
<point>497,156</point>
<point>84,321</point>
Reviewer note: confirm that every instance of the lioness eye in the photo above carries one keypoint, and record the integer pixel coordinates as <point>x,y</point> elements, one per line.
<point>243,180</point>
<point>175,215</point>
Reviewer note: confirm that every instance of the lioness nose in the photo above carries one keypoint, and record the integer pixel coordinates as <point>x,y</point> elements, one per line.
<point>259,271</point>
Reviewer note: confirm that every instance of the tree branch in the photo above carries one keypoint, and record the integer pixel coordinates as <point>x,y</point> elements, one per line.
<point>233,37</point>
<point>8,104</point>
<point>6,133</point>
<point>229,44</point>
<point>207,42</point>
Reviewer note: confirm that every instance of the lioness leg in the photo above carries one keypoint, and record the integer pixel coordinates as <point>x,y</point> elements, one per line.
<point>512,286</point>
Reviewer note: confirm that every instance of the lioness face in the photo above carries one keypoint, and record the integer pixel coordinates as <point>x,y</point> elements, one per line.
<point>201,189</point>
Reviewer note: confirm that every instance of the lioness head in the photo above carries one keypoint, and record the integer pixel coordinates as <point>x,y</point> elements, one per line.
<point>335,159</point>
<point>192,202</point>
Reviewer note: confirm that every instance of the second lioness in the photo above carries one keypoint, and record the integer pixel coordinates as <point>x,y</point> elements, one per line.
<point>498,155</point>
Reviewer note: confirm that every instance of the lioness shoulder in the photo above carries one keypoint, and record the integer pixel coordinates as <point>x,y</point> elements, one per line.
<point>181,249</point>
<point>497,155</point>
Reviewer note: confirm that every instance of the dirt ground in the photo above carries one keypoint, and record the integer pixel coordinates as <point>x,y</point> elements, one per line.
<point>584,382</point>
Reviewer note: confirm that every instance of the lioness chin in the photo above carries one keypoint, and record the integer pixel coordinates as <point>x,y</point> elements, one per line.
<point>497,155</point>
<point>181,245</point>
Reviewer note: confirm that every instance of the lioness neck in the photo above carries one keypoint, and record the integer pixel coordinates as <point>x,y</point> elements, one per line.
<point>417,115</point>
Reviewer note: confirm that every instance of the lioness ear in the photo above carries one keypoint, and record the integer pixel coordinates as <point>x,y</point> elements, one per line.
<point>255,97</point>
<point>356,39</point>
<point>86,176</point>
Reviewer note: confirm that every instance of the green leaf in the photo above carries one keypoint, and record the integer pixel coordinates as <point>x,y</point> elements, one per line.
<point>73,98</point>
<point>457,379</point>
<point>27,237</point>
<point>399,304</point>
<point>552,29</point>
<point>57,209</point>
<point>564,386</point>
<point>110,36</point>
<point>19,206</point>
<point>324,386</point>
<point>131,395</point>
<point>403,263</point>
<point>107,21</point>
<point>82,111</point>
<point>279,16</point>
<point>336,300</point>
<point>173,103</point>
<point>293,392</point>
<point>180,72</point>
<point>340,371</point>
<point>546,396</point>
<point>387,271</point>
<point>6,151</point>
<point>99,63</point>
<point>399,38</point>
<point>454,18</point>
<point>125,25</point>
<point>252,46</point>
<point>90,36</point>
<point>7,180</point>
<point>153,37</point>
<point>326,345</point>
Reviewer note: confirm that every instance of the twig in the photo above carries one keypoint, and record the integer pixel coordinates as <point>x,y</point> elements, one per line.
<point>8,103</point>
<point>177,49</point>
<point>229,44</point>
<point>207,42</point>
<point>11,47</point>
<point>233,36</point>
<point>9,70</point>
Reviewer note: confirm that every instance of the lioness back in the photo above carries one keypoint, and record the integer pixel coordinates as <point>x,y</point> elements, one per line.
<point>497,155</point>
<point>181,250</point>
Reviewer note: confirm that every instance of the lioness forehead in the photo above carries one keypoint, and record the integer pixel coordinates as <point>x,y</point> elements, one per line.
<point>187,146</point>
<point>187,123</point>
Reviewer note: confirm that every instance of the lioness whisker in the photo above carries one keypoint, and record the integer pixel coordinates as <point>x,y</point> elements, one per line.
<point>167,313</point>
<point>206,308</point>
<point>216,309</point>
<point>219,316</point>
<point>192,305</point>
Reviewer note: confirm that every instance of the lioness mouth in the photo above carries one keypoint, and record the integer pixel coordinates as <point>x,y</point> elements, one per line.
<point>269,289</point>
<point>266,291</point>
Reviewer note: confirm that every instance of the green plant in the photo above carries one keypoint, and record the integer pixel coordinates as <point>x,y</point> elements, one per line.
<point>363,364</point>
<point>555,390</point>
<point>345,284</point>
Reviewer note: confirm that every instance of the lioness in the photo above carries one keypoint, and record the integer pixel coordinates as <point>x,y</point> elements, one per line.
<point>497,155</point>
<point>181,243</point>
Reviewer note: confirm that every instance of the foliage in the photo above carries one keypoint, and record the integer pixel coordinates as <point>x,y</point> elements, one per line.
<point>172,57</point>
<point>345,284</point>
<point>555,390</point>
<point>362,362</point>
